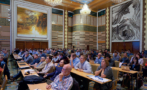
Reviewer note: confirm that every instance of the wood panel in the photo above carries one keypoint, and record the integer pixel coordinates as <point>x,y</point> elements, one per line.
<point>132,46</point>
<point>36,45</point>
<point>20,45</point>
<point>44,45</point>
<point>31,44</point>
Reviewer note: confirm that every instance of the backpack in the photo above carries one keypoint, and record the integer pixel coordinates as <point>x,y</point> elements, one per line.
<point>33,79</point>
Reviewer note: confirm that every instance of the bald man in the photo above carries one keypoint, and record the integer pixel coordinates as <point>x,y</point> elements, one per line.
<point>98,59</point>
<point>63,81</point>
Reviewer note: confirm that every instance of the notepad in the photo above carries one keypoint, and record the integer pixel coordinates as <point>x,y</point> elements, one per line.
<point>97,78</point>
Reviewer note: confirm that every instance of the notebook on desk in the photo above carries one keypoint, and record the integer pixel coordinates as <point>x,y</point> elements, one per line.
<point>127,68</point>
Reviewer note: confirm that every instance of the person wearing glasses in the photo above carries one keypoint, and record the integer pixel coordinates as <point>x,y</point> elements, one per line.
<point>98,59</point>
<point>63,81</point>
<point>83,66</point>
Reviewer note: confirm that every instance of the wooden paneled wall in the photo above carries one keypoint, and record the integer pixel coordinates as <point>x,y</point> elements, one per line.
<point>132,46</point>
<point>31,44</point>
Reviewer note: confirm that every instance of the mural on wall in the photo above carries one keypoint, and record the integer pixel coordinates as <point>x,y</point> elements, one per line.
<point>31,23</point>
<point>126,21</point>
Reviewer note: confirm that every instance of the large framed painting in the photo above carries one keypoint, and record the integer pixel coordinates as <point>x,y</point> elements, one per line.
<point>31,23</point>
<point>126,21</point>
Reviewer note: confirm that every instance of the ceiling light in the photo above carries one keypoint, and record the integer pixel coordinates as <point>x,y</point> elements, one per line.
<point>85,10</point>
<point>53,2</point>
<point>117,1</point>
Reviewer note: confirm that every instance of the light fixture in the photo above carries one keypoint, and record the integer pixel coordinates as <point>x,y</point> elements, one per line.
<point>85,10</point>
<point>53,2</point>
<point>117,1</point>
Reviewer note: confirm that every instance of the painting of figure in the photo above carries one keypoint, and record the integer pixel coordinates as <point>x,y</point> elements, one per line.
<point>31,23</point>
<point>126,21</point>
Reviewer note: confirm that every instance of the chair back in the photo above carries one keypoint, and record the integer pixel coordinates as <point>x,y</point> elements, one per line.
<point>94,67</point>
<point>4,82</point>
<point>91,61</point>
<point>115,73</point>
<point>117,63</point>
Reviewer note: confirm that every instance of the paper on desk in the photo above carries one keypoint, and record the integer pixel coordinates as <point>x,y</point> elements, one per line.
<point>97,79</point>
<point>24,67</point>
<point>120,64</point>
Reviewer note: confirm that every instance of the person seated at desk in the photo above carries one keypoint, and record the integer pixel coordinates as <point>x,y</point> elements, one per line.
<point>55,57</point>
<point>116,56</point>
<point>140,60</point>
<point>89,57</point>
<point>83,66</point>
<point>98,59</point>
<point>28,58</point>
<point>125,60</point>
<point>78,53</point>
<point>63,81</point>
<point>37,67</point>
<point>111,62</point>
<point>48,67</point>
<point>74,60</point>
<point>104,71</point>
<point>63,57</point>
<point>6,70</point>
<point>36,59</point>
<point>133,66</point>
<point>57,71</point>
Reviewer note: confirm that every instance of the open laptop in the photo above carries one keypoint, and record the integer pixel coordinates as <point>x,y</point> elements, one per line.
<point>127,68</point>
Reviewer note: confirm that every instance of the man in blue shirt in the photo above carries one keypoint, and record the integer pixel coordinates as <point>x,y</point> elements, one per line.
<point>74,60</point>
<point>57,71</point>
<point>78,53</point>
<point>98,59</point>
<point>28,58</point>
<point>125,60</point>
<point>36,59</point>
<point>115,56</point>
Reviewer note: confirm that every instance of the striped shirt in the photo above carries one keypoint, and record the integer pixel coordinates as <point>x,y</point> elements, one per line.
<point>65,84</point>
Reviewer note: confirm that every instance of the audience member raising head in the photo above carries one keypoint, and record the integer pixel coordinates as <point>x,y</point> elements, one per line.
<point>98,59</point>
<point>63,81</point>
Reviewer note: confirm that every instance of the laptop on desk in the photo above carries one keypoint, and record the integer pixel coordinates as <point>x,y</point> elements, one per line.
<point>127,68</point>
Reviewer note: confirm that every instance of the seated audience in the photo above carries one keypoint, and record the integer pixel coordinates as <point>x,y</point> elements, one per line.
<point>2,64</point>
<point>40,65</point>
<point>28,58</point>
<point>57,71</point>
<point>74,60</point>
<point>140,60</point>
<point>104,71</point>
<point>48,67</point>
<point>36,59</point>
<point>98,59</point>
<point>63,57</point>
<point>63,81</point>
<point>106,53</point>
<point>116,56</point>
<point>111,62</point>
<point>89,57</point>
<point>55,57</point>
<point>83,66</point>
<point>78,53</point>
<point>132,58</point>
<point>125,60</point>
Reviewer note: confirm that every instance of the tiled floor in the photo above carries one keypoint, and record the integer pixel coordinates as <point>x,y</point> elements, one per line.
<point>14,85</point>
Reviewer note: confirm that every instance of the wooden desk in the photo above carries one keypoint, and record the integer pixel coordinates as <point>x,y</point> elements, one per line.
<point>16,56</point>
<point>83,74</point>
<point>119,69</point>
<point>40,86</point>
<point>19,64</point>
